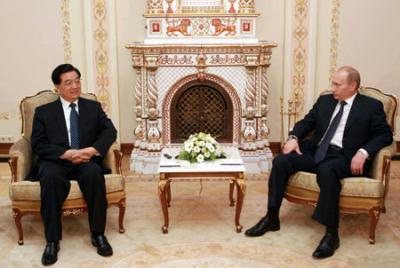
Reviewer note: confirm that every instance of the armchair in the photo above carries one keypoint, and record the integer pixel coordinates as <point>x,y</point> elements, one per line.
<point>359,194</point>
<point>25,195</point>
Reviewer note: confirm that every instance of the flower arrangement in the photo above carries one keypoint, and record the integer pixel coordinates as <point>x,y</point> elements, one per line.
<point>200,147</point>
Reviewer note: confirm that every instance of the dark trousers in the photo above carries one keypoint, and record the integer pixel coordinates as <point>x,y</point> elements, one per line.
<point>329,173</point>
<point>55,185</point>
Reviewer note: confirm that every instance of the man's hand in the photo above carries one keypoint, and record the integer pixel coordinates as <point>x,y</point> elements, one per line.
<point>79,156</point>
<point>357,163</point>
<point>291,146</point>
<point>69,154</point>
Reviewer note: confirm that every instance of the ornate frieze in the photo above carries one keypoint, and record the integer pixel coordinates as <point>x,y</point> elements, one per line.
<point>179,20</point>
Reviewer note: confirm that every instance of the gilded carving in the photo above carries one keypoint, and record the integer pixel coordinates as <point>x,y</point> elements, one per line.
<point>101,54</point>
<point>300,36</point>
<point>334,37</point>
<point>175,60</point>
<point>250,87</point>
<point>242,185</point>
<point>5,116</point>
<point>73,211</point>
<point>154,7</point>
<point>66,30</point>
<point>246,6</point>
<point>152,90</point>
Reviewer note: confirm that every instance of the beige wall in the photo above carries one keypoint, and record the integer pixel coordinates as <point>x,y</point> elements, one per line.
<point>32,45</point>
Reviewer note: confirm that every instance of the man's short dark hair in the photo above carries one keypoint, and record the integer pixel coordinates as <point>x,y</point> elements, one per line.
<point>61,69</point>
<point>352,75</point>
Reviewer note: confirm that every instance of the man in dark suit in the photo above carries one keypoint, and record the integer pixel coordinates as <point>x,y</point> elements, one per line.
<point>349,129</point>
<point>70,136</point>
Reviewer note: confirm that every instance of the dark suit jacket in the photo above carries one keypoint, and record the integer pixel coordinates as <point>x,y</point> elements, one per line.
<point>49,131</point>
<point>366,126</point>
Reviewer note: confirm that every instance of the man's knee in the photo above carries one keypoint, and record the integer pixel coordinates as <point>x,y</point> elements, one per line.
<point>92,171</point>
<point>327,176</point>
<point>51,174</point>
<point>281,160</point>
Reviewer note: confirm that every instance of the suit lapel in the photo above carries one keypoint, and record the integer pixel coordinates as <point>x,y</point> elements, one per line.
<point>354,111</point>
<point>83,118</point>
<point>61,121</point>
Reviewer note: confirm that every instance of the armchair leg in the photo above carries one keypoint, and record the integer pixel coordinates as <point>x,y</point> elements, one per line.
<point>373,217</point>
<point>121,206</point>
<point>17,219</point>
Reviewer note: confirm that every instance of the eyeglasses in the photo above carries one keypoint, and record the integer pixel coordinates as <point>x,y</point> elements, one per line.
<point>69,82</point>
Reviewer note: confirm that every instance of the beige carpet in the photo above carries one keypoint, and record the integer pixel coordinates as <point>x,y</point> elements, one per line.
<point>202,232</point>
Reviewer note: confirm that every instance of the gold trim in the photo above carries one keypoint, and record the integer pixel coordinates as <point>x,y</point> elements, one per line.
<point>101,54</point>
<point>300,53</point>
<point>5,116</point>
<point>334,38</point>
<point>66,31</point>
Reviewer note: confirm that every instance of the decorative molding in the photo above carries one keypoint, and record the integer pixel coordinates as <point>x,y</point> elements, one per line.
<point>5,116</point>
<point>300,52</point>
<point>334,38</point>
<point>66,31</point>
<point>101,54</point>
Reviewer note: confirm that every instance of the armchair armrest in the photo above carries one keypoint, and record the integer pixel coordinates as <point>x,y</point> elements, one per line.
<point>113,159</point>
<point>20,159</point>
<point>381,162</point>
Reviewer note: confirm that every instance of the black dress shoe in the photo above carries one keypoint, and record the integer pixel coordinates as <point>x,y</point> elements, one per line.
<point>327,246</point>
<point>50,253</point>
<point>264,225</point>
<point>102,245</point>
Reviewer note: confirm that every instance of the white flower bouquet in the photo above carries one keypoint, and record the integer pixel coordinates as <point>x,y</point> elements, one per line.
<point>200,147</point>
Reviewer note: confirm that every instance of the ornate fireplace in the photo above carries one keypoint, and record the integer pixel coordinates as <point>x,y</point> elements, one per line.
<point>201,69</point>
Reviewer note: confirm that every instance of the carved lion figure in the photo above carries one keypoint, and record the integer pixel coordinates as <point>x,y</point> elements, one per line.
<point>182,28</point>
<point>220,27</point>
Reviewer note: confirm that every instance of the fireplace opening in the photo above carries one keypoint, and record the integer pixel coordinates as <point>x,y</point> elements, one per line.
<point>204,107</point>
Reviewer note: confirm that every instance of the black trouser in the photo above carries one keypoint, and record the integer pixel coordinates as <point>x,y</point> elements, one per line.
<point>55,185</point>
<point>329,173</point>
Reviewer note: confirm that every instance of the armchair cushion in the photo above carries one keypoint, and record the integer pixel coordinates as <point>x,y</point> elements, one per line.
<point>352,186</point>
<point>30,190</point>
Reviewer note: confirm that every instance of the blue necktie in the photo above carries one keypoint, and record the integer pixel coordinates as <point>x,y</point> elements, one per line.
<point>321,151</point>
<point>74,127</point>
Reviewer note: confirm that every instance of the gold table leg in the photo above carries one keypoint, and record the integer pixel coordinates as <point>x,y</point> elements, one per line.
<point>241,191</point>
<point>163,187</point>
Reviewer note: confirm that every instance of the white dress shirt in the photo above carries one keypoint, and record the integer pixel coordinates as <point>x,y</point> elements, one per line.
<point>67,112</point>
<point>338,136</point>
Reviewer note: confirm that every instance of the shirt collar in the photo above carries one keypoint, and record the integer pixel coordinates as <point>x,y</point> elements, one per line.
<point>350,100</point>
<point>65,103</point>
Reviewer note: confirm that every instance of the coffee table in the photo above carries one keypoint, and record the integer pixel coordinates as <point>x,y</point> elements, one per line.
<point>231,168</point>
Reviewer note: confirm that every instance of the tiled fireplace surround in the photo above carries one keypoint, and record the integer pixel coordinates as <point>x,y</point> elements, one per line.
<point>201,42</point>
<point>241,70</point>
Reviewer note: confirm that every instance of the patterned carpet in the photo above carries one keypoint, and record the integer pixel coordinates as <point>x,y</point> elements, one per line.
<point>202,233</point>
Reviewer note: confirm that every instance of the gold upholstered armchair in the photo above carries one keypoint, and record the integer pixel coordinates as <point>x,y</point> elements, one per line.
<point>25,195</point>
<point>359,194</point>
